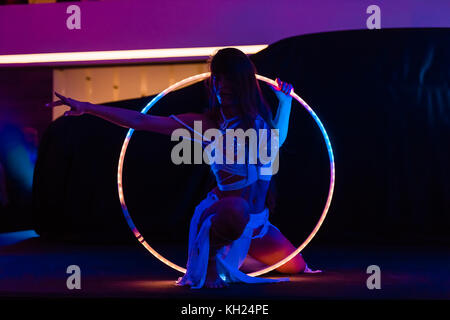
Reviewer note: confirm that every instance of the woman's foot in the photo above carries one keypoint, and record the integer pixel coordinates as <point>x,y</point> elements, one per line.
<point>212,277</point>
<point>218,283</point>
<point>308,270</point>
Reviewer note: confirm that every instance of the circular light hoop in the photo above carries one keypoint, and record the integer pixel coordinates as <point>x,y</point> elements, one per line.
<point>195,79</point>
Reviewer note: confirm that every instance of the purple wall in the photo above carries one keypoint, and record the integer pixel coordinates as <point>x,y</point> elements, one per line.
<point>143,24</point>
<point>23,94</point>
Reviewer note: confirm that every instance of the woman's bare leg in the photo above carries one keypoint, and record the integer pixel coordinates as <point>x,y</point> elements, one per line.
<point>251,264</point>
<point>231,217</point>
<point>273,247</point>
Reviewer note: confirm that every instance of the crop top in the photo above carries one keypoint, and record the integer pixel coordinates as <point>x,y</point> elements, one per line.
<point>249,172</point>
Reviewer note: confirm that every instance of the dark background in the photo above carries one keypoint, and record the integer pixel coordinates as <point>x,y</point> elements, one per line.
<point>23,121</point>
<point>383,97</point>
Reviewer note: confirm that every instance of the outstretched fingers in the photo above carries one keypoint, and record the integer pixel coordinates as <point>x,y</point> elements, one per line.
<point>60,96</point>
<point>63,101</point>
<point>55,103</point>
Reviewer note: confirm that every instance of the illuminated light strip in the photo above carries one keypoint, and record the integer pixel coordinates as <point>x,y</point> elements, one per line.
<point>120,54</point>
<point>256,273</point>
<point>330,189</point>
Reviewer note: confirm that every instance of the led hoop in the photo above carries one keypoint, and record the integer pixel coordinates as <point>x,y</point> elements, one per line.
<point>196,78</point>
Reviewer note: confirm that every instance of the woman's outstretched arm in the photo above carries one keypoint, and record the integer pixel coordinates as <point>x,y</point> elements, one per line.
<point>281,120</point>
<point>127,118</point>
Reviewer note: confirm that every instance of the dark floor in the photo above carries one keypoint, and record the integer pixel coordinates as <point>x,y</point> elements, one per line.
<point>31,267</point>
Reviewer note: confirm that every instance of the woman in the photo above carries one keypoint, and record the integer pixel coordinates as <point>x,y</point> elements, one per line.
<point>230,228</point>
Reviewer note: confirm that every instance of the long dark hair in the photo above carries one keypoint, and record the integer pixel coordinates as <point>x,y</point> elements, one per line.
<point>233,65</point>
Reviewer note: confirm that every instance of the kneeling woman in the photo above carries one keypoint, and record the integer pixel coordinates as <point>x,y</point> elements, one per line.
<point>229,230</point>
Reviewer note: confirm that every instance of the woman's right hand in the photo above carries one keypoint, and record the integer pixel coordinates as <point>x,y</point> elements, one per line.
<point>282,90</point>
<point>77,108</point>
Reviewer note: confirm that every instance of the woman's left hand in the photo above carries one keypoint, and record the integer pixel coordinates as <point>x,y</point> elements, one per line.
<point>77,108</point>
<point>283,90</point>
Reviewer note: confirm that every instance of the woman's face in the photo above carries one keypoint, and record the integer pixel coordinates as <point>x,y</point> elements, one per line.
<point>222,89</point>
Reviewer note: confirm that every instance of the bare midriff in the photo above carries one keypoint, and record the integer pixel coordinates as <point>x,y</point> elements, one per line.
<point>254,194</point>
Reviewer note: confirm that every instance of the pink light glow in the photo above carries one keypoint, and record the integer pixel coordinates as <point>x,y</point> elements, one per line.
<point>262,271</point>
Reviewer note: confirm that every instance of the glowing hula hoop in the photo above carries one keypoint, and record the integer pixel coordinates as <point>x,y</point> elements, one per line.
<point>196,78</point>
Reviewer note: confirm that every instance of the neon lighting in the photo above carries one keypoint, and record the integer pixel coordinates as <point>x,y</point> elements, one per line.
<point>195,79</point>
<point>120,54</point>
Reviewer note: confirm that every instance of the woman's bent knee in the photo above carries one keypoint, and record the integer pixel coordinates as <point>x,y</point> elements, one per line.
<point>295,265</point>
<point>230,218</point>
